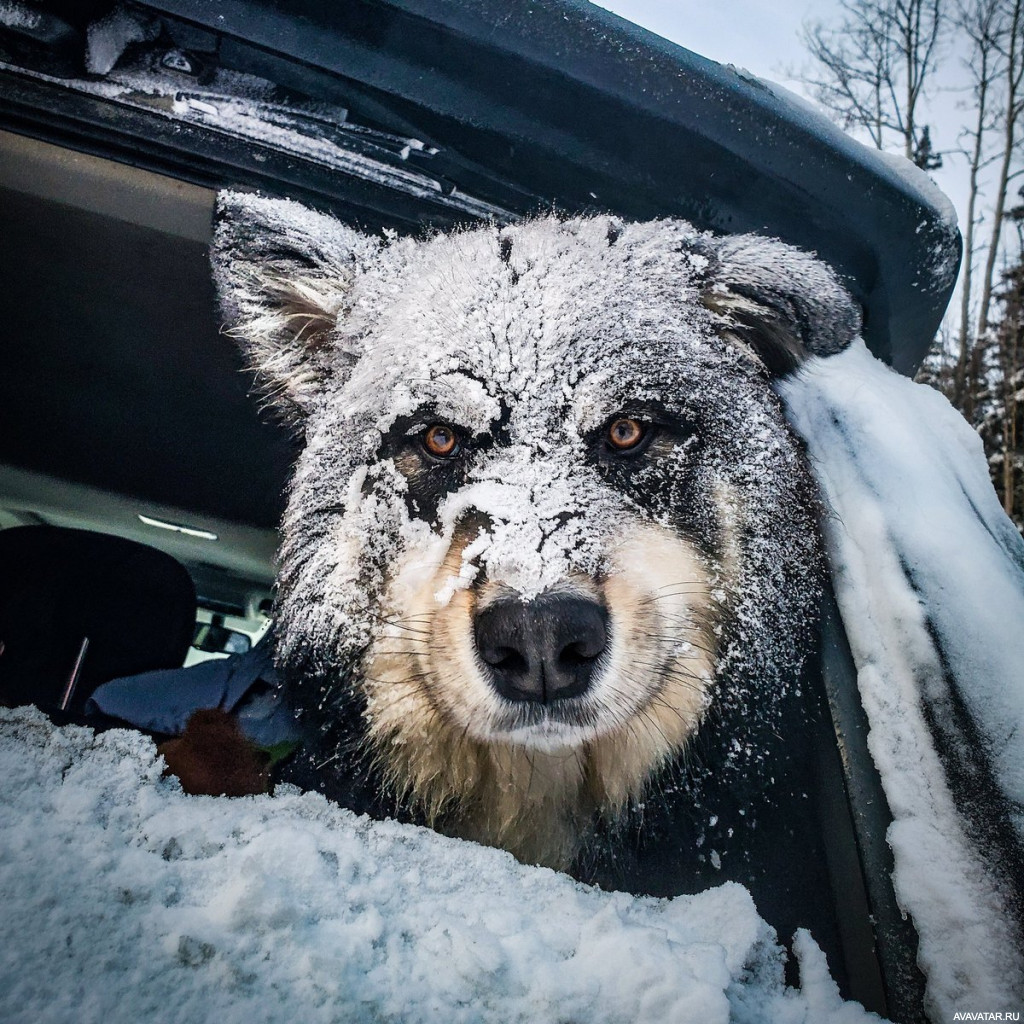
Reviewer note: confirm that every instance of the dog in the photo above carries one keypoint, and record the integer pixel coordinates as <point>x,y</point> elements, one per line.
<point>551,559</point>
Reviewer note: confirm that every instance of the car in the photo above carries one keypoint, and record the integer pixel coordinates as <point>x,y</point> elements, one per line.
<point>125,411</point>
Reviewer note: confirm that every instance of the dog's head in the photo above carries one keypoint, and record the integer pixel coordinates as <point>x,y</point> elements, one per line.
<point>547,499</point>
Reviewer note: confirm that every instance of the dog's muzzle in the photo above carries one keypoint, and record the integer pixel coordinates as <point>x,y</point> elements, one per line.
<point>543,650</point>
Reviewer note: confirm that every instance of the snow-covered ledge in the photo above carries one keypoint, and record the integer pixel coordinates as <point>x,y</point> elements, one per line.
<point>126,900</point>
<point>929,577</point>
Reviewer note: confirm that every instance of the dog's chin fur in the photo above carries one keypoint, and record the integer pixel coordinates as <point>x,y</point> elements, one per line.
<point>527,777</point>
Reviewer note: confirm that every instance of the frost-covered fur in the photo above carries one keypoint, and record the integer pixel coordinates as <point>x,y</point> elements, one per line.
<point>528,342</point>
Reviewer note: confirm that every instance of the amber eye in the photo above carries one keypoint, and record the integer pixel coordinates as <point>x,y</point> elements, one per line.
<point>624,434</point>
<point>441,441</point>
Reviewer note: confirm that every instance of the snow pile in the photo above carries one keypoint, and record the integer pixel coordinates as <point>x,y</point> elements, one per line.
<point>17,15</point>
<point>929,575</point>
<point>126,900</point>
<point>109,37</point>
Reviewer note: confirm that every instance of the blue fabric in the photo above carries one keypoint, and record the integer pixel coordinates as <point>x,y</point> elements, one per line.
<point>245,685</point>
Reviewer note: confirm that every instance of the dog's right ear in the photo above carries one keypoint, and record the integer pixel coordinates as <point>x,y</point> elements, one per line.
<point>284,274</point>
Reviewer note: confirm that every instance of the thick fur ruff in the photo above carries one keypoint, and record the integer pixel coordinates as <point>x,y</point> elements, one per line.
<point>527,345</point>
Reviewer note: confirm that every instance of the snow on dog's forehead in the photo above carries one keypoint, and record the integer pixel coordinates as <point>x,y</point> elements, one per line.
<point>547,314</point>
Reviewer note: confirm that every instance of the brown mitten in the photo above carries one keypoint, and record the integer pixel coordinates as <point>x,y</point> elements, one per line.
<point>212,757</point>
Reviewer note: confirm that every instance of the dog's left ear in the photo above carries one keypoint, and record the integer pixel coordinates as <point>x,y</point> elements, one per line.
<point>780,302</point>
<point>284,274</point>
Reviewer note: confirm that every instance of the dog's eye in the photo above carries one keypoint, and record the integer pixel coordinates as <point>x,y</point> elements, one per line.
<point>441,441</point>
<point>625,434</point>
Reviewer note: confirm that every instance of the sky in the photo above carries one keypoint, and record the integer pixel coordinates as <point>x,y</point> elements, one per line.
<point>766,39</point>
<point>761,37</point>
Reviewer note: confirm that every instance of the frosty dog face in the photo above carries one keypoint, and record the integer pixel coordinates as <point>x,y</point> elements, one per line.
<point>547,501</point>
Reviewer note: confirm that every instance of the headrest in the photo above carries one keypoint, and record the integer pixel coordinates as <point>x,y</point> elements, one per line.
<point>134,605</point>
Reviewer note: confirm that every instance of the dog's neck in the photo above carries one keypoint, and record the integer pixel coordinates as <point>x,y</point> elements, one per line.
<point>539,805</point>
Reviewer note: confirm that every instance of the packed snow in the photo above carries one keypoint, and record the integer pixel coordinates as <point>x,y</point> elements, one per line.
<point>110,36</point>
<point>16,15</point>
<point>929,576</point>
<point>130,901</point>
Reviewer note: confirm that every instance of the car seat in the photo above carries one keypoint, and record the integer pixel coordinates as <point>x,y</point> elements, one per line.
<point>78,608</point>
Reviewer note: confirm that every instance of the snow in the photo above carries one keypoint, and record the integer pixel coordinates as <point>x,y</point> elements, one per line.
<point>108,38</point>
<point>319,137</point>
<point>130,901</point>
<point>16,15</point>
<point>913,177</point>
<point>944,262</point>
<point>929,576</point>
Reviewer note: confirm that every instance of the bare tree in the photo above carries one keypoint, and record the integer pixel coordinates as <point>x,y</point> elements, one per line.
<point>980,21</point>
<point>1012,357</point>
<point>995,29</point>
<point>873,68</point>
<point>1000,420</point>
<point>1011,47</point>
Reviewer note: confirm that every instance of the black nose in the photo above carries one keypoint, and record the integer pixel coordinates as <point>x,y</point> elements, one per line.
<point>541,650</point>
